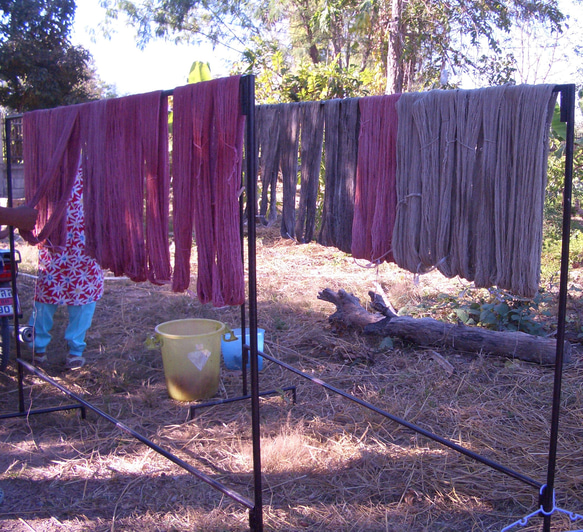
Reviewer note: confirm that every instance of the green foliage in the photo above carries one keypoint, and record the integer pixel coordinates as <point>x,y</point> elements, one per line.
<point>215,21</point>
<point>278,82</point>
<point>496,70</point>
<point>325,81</point>
<point>267,61</point>
<point>494,309</point>
<point>199,71</point>
<point>553,216</point>
<point>296,48</point>
<point>39,67</point>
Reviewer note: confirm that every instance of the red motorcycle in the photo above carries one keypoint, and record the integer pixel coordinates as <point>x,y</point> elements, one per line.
<point>7,305</point>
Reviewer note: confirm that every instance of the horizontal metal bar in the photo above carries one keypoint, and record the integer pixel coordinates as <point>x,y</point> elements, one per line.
<point>45,411</point>
<point>415,428</point>
<point>199,474</point>
<point>193,408</point>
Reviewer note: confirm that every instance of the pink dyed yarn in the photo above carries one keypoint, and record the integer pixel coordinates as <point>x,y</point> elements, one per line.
<point>51,149</point>
<point>207,158</point>
<point>125,161</point>
<point>375,200</point>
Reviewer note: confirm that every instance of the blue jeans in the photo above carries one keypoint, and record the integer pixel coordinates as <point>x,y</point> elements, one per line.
<point>80,317</point>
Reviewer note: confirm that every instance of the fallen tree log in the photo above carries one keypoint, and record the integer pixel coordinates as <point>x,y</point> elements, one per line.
<point>428,332</point>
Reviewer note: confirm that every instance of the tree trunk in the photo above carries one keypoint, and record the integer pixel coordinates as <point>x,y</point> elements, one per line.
<point>430,333</point>
<point>395,65</point>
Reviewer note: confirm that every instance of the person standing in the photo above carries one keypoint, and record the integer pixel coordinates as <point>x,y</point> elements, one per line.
<point>67,276</point>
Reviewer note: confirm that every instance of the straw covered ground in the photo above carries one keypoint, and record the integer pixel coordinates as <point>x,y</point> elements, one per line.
<point>329,464</point>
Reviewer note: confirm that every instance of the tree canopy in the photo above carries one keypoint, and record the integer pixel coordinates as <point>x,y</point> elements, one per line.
<point>39,67</point>
<point>311,49</point>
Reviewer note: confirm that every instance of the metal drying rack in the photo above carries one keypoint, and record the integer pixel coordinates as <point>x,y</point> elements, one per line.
<point>546,490</point>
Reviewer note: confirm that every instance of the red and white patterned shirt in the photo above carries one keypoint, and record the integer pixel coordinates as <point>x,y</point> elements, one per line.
<point>68,276</point>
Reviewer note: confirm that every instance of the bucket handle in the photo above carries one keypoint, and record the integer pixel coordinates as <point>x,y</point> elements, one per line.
<point>231,335</point>
<point>153,342</point>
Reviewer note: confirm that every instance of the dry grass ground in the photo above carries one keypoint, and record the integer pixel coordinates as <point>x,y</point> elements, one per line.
<point>328,463</point>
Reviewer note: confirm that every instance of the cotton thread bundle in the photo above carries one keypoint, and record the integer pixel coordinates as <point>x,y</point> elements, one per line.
<point>268,125</point>
<point>406,233</point>
<point>95,167</point>
<point>184,172</point>
<point>469,119</point>
<point>228,281</point>
<point>370,158</point>
<point>124,210</point>
<point>192,111</point>
<point>485,189</point>
<point>340,153</point>
<point>375,199</point>
<point>204,159</point>
<point>157,193</point>
<point>520,185</point>
<point>289,138</point>
<point>332,190</point>
<point>385,208</point>
<point>447,182</point>
<point>131,137</point>
<point>431,122</point>
<point>207,170</point>
<point>51,150</point>
<point>483,177</point>
<point>312,137</point>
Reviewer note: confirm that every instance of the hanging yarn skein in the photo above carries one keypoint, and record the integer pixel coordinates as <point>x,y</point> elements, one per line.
<point>312,136</point>
<point>289,139</point>
<point>340,154</point>
<point>267,118</point>
<point>187,162</point>
<point>157,213</point>
<point>51,149</point>
<point>485,271</point>
<point>433,120</point>
<point>468,122</point>
<point>228,278</point>
<point>481,184</point>
<point>406,233</point>
<point>208,145</point>
<point>126,185</point>
<point>375,196</point>
<point>520,184</point>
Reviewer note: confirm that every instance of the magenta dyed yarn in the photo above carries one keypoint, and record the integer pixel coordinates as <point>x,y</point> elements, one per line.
<point>207,158</point>
<point>51,150</point>
<point>125,161</point>
<point>375,201</point>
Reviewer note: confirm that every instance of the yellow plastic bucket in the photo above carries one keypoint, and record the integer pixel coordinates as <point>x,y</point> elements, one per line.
<point>191,355</point>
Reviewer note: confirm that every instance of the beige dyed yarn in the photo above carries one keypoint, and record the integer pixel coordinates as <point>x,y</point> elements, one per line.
<point>471,179</point>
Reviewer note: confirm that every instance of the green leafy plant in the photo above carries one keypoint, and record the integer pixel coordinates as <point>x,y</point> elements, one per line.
<point>508,313</point>
<point>492,309</point>
<point>553,215</point>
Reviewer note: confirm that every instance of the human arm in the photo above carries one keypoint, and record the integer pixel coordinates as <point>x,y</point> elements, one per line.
<point>22,217</point>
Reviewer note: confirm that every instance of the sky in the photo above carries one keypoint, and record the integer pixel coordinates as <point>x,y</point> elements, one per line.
<point>161,65</point>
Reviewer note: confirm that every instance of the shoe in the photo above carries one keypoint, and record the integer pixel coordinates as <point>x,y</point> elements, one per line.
<point>75,362</point>
<point>40,359</point>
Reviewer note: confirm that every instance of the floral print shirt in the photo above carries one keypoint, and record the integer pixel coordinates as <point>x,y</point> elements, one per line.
<point>68,276</point>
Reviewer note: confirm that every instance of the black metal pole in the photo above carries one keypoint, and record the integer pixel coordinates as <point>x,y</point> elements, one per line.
<point>567,115</point>
<point>244,355</point>
<point>256,519</point>
<point>10,203</point>
<point>8,139</point>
